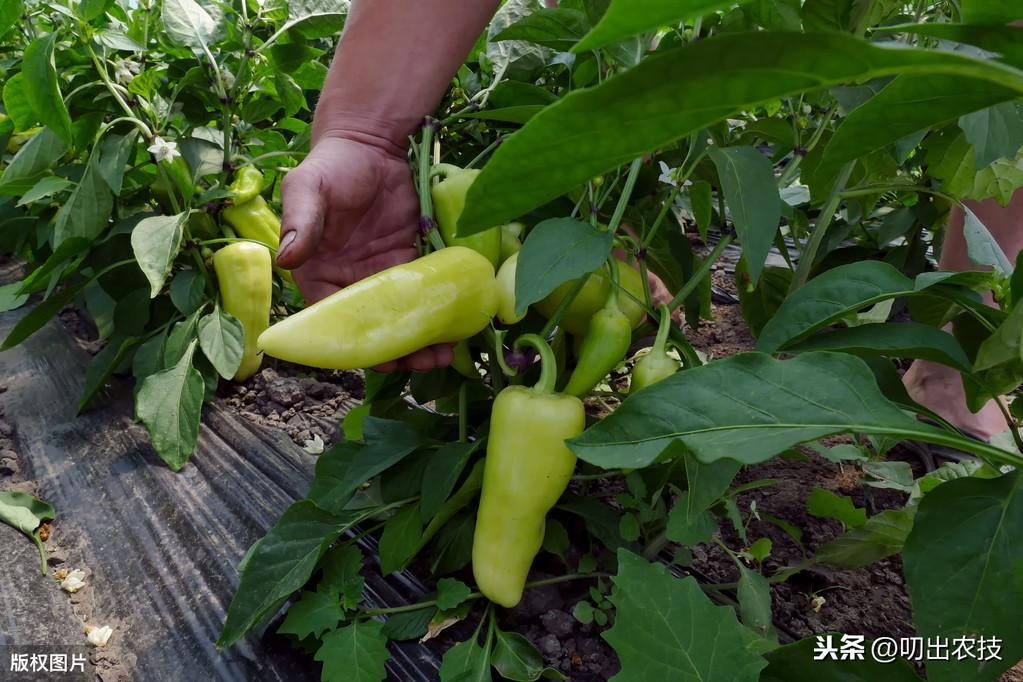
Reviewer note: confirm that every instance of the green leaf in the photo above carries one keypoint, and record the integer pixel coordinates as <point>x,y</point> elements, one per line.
<point>115,154</point>
<point>795,663</point>
<point>188,291</point>
<point>556,28</point>
<point>10,297</point>
<point>451,593</point>
<point>465,662</point>
<point>989,12</point>
<point>883,535</point>
<point>310,12</point>
<point>40,315</point>
<point>188,24</point>
<point>41,87</point>
<point>10,14</point>
<point>982,247</point>
<point>409,625</point>
<point>976,527</point>
<point>346,466</point>
<point>222,340</point>
<point>87,211</point>
<point>355,653</point>
<point>625,18</point>
<point>667,629</point>
<point>341,569</point>
<point>313,614</point>
<point>833,295</point>
<point>16,101</point>
<point>280,563</point>
<point>995,132</point>
<point>556,251</point>
<point>747,179</point>
<point>46,187</point>
<point>92,9</point>
<point>440,478</point>
<point>748,407</point>
<point>755,601</point>
<point>519,114</point>
<point>25,513</point>
<point>104,364</point>
<point>676,93</point>
<point>998,181</point>
<point>170,404</point>
<point>516,658</point>
<point>156,242</point>
<point>1003,41</point>
<point>688,524</point>
<point>31,162</point>
<point>895,340</point>
<point>908,104</point>
<point>827,505</point>
<point>400,539</point>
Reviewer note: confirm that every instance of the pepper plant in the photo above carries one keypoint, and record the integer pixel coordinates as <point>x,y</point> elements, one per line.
<point>608,136</point>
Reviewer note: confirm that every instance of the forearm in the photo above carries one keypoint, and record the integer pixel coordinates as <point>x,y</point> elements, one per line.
<point>393,64</point>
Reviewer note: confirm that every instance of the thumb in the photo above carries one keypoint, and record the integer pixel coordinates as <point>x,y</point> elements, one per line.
<point>303,207</point>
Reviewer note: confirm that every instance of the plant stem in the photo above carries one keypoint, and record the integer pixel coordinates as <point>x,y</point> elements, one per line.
<point>820,230</point>
<point>623,200</point>
<point>425,198</point>
<point>700,273</point>
<point>479,595</point>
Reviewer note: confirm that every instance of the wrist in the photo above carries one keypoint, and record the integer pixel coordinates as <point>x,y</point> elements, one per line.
<point>390,137</point>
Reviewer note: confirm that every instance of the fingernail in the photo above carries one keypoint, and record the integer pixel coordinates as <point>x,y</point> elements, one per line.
<point>286,241</point>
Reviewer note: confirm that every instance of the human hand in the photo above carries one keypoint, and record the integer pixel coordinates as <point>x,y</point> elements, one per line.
<point>351,210</point>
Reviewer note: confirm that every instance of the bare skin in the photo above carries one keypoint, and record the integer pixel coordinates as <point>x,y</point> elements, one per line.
<point>936,386</point>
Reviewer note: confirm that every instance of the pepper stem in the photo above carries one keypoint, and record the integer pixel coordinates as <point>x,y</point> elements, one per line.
<point>444,169</point>
<point>548,363</point>
<point>612,297</point>
<point>663,328</point>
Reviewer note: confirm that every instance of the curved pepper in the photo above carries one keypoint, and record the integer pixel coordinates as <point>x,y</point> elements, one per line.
<point>248,182</point>
<point>526,470</point>
<point>245,277</point>
<point>604,346</point>
<point>255,220</point>
<point>444,297</point>
<point>448,202</point>
<point>511,242</point>
<point>592,296</point>
<point>657,364</point>
<point>506,291</point>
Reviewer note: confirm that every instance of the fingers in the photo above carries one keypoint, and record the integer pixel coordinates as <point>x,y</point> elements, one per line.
<point>423,360</point>
<point>303,198</point>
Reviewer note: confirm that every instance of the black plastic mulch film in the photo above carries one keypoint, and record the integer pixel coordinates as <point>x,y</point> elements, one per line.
<point>162,548</point>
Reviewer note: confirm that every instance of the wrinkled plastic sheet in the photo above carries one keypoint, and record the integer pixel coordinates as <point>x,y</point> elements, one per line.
<point>162,547</point>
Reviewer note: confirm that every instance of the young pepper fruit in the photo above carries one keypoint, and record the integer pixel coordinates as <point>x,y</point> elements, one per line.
<point>657,364</point>
<point>604,346</point>
<point>250,215</point>
<point>592,296</point>
<point>448,202</point>
<point>526,470</point>
<point>506,291</point>
<point>444,297</point>
<point>245,276</point>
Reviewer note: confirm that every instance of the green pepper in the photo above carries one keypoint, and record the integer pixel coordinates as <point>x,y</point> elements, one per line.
<point>248,182</point>
<point>461,360</point>
<point>506,291</point>
<point>604,346</point>
<point>657,364</point>
<point>173,187</point>
<point>255,220</point>
<point>592,296</point>
<point>245,277</point>
<point>511,242</point>
<point>527,468</point>
<point>448,202</point>
<point>444,297</point>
